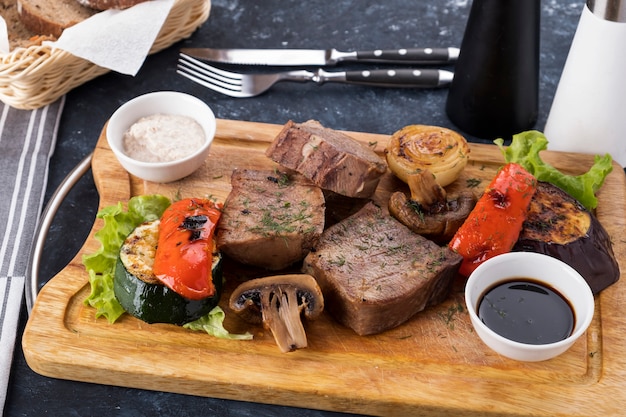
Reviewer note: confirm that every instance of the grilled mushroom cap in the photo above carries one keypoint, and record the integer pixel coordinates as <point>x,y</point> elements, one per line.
<point>428,211</point>
<point>279,302</point>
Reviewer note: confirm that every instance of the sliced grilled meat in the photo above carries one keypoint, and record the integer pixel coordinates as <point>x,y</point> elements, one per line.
<point>270,219</point>
<point>376,274</point>
<point>331,159</point>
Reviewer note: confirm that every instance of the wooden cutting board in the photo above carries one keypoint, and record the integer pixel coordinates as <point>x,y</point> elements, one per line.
<point>434,365</point>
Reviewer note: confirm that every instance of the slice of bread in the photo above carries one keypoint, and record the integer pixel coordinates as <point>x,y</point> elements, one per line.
<point>19,36</point>
<point>51,17</point>
<point>109,4</point>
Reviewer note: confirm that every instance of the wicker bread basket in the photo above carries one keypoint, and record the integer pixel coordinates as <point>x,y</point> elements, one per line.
<point>35,76</point>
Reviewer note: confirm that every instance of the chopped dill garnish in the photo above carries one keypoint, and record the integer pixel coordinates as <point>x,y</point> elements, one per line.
<point>416,207</point>
<point>473,182</point>
<point>449,315</point>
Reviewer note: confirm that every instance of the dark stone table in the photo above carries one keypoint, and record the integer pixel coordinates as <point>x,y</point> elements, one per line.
<point>343,24</point>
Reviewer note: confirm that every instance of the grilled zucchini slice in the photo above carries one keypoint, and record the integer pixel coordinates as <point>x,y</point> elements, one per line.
<point>143,296</point>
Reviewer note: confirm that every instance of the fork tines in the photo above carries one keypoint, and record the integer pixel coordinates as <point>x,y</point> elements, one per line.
<point>214,78</point>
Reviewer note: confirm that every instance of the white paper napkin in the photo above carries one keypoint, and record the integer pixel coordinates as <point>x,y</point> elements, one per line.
<point>117,39</point>
<point>4,37</point>
<point>27,140</point>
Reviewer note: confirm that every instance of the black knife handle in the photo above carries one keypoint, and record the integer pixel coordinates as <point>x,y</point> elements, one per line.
<point>410,56</point>
<point>412,78</point>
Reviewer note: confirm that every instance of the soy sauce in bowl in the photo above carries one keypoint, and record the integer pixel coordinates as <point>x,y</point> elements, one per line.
<point>566,292</point>
<point>527,311</point>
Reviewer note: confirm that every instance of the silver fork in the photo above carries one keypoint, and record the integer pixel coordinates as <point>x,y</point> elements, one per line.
<point>249,85</point>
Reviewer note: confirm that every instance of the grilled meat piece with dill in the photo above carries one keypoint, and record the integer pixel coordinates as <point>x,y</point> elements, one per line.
<point>376,274</point>
<point>271,219</point>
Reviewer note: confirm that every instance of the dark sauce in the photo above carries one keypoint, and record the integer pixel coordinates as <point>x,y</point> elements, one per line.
<point>527,311</point>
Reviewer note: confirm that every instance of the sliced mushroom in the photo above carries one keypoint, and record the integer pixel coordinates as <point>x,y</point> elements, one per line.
<point>427,192</point>
<point>279,302</point>
<point>428,211</point>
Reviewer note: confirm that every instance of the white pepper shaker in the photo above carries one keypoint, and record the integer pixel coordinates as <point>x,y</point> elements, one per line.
<point>588,114</point>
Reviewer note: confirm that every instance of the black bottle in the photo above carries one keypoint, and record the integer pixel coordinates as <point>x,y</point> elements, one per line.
<point>495,88</point>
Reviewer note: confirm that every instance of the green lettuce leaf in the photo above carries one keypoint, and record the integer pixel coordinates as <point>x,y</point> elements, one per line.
<point>524,150</point>
<point>102,296</point>
<point>213,324</point>
<point>100,265</point>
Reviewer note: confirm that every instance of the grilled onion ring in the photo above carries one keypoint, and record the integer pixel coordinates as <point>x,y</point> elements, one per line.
<point>415,148</point>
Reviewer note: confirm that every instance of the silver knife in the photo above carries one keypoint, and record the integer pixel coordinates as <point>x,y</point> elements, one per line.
<point>320,57</point>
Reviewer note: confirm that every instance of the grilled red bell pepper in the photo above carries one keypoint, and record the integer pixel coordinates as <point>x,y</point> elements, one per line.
<point>184,255</point>
<point>493,226</point>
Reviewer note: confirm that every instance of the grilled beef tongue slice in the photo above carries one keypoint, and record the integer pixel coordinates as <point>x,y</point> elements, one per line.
<point>376,274</point>
<point>271,219</point>
<point>331,159</point>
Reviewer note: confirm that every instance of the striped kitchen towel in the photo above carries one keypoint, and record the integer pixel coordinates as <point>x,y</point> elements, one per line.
<point>27,140</point>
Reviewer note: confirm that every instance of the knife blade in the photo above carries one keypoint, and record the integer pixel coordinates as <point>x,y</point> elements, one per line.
<point>321,57</point>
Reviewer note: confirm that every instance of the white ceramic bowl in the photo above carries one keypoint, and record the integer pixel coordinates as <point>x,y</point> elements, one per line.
<point>164,102</point>
<point>544,269</point>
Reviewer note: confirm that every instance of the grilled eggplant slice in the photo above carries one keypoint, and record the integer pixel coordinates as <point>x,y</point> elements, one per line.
<point>559,226</point>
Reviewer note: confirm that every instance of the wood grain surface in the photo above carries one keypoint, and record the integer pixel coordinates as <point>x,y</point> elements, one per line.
<point>433,365</point>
